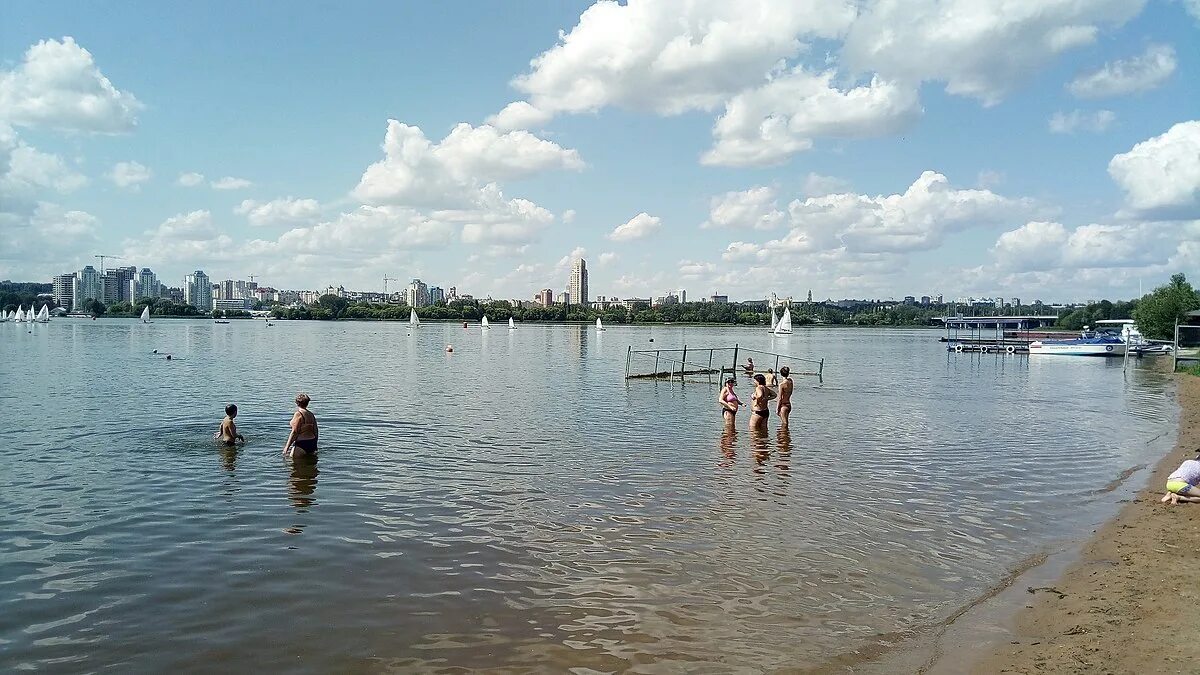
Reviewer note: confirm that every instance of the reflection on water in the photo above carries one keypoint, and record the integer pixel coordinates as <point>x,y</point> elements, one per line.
<point>517,504</point>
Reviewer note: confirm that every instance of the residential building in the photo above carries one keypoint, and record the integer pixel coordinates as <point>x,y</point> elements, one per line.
<point>64,289</point>
<point>925,299</point>
<point>563,298</point>
<point>87,285</point>
<point>1016,302</point>
<point>197,291</point>
<point>231,303</point>
<point>577,288</point>
<point>452,294</point>
<point>682,295</point>
<point>545,297</point>
<point>437,295</point>
<point>417,294</point>
<point>910,300</point>
<point>719,299</point>
<point>115,284</point>
<point>147,285</point>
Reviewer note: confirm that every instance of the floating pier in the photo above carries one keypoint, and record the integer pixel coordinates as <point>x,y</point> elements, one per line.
<point>692,362</point>
<point>992,334</point>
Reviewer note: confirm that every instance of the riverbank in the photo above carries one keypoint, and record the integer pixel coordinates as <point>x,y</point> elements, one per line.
<point>1128,604</point>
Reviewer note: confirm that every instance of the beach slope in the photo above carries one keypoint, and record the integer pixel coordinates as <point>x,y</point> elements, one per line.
<point>1130,604</point>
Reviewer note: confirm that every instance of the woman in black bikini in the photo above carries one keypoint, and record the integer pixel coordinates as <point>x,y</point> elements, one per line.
<point>758,404</point>
<point>304,429</point>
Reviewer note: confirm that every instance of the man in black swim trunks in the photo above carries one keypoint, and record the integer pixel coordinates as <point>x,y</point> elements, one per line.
<point>228,434</point>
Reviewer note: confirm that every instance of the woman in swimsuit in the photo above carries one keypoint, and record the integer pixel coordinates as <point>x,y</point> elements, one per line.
<point>758,404</point>
<point>304,429</point>
<point>729,402</point>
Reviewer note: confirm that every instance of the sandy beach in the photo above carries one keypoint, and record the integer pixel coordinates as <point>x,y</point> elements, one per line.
<point>1129,605</point>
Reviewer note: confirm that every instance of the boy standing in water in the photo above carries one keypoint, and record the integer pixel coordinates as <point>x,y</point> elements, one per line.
<point>229,434</point>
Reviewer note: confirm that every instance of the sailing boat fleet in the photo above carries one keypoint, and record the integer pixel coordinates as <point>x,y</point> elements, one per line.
<point>22,316</point>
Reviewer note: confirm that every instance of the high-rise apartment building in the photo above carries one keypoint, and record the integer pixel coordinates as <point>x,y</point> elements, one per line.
<point>64,289</point>
<point>87,285</point>
<point>682,295</point>
<point>417,293</point>
<point>197,291</point>
<point>116,284</point>
<point>545,297</point>
<point>436,295</point>
<point>577,289</point>
<point>147,285</point>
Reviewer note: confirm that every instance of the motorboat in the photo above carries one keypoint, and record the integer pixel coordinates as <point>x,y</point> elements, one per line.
<point>1093,344</point>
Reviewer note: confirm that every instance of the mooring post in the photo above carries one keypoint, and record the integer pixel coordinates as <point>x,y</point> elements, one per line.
<point>821,369</point>
<point>683,363</point>
<point>628,356</point>
<point>656,364</point>
<point>735,351</point>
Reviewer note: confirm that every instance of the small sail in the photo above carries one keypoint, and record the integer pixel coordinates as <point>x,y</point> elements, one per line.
<point>44,315</point>
<point>146,314</point>
<point>599,324</point>
<point>774,320</point>
<point>485,323</point>
<point>20,314</point>
<point>511,325</point>
<point>784,327</point>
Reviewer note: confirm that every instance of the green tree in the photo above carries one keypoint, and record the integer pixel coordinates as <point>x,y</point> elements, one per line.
<point>1157,313</point>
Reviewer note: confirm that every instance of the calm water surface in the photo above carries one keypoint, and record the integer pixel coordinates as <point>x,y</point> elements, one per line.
<point>516,503</point>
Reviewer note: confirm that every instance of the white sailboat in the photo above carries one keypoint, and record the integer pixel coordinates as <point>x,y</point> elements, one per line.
<point>511,325</point>
<point>599,324</point>
<point>484,324</point>
<point>20,314</point>
<point>44,315</point>
<point>3,316</point>
<point>784,327</point>
<point>413,321</point>
<point>774,320</point>
<point>146,314</point>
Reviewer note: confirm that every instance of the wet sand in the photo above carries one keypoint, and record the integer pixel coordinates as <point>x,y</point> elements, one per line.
<point>1129,604</point>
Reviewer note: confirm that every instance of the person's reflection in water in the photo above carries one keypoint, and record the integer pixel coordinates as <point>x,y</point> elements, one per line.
<point>728,446</point>
<point>301,486</point>
<point>229,455</point>
<point>783,458</point>
<point>760,450</point>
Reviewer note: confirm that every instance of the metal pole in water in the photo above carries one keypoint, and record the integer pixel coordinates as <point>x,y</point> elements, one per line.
<point>735,351</point>
<point>628,356</point>
<point>656,364</point>
<point>684,360</point>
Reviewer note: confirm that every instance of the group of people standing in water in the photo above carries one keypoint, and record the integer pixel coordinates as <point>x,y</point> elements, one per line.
<point>301,441</point>
<point>767,387</point>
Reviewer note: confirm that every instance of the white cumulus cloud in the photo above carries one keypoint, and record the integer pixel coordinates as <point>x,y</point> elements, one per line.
<point>639,227</point>
<point>283,211</point>
<point>766,125</point>
<point>1079,120</point>
<point>190,179</point>
<point>129,174</point>
<point>749,209</point>
<point>231,183</point>
<point>1161,175</point>
<point>1118,78</point>
<point>58,86</point>
<point>418,172</point>
<point>982,50</point>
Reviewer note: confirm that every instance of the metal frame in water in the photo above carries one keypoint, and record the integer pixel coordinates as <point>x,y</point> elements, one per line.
<point>680,367</point>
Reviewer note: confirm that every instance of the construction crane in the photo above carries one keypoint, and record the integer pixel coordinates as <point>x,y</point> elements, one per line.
<point>385,280</point>
<point>102,257</point>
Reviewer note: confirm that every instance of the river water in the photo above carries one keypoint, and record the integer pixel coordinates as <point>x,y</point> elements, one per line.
<point>517,504</point>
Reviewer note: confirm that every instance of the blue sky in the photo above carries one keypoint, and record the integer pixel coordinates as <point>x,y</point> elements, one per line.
<point>873,149</point>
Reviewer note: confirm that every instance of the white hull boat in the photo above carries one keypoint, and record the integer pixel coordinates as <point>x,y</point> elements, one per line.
<point>1080,347</point>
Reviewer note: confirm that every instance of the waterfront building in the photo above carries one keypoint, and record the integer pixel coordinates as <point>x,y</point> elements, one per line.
<point>452,294</point>
<point>197,291</point>
<point>577,288</point>
<point>682,295</point>
<point>545,297</point>
<point>564,298</point>
<point>1016,302</point>
<point>910,300</point>
<point>925,299</point>
<point>416,294</point>
<point>719,299</point>
<point>147,285</point>
<point>437,295</point>
<point>86,286</point>
<point>64,289</point>
<point>239,304</point>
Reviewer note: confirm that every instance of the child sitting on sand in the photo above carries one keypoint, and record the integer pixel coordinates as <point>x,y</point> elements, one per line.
<point>1183,485</point>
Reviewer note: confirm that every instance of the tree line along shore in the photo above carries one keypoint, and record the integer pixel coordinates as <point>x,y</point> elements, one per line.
<point>1155,312</point>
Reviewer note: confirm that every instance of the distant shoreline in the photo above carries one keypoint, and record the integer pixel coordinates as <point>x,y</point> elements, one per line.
<point>475,322</point>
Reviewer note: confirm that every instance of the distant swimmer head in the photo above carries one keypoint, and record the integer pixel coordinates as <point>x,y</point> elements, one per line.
<point>155,351</point>
<point>761,379</point>
<point>449,348</point>
<point>168,357</point>
<point>302,400</point>
<point>785,371</point>
<point>231,410</point>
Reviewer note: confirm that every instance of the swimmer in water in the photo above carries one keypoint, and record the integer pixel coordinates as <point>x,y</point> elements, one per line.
<point>228,434</point>
<point>728,400</point>
<point>772,381</point>
<point>758,404</point>
<point>749,367</point>
<point>785,397</point>
<point>304,429</point>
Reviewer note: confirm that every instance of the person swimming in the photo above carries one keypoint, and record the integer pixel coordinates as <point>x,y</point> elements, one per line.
<point>304,429</point>
<point>785,397</point>
<point>1183,485</point>
<point>729,402</point>
<point>228,433</point>
<point>758,404</point>
<point>749,367</point>
<point>772,381</point>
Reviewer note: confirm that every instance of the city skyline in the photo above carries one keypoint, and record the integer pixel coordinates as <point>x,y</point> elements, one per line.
<point>724,151</point>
